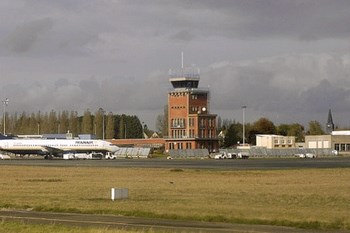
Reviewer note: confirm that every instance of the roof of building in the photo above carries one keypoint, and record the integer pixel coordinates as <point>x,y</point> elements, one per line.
<point>341,132</point>
<point>270,135</point>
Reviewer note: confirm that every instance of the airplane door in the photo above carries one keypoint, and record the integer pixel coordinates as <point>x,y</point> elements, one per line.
<point>6,145</point>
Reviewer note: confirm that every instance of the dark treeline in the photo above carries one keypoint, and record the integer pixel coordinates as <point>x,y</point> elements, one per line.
<point>115,126</point>
<point>125,126</point>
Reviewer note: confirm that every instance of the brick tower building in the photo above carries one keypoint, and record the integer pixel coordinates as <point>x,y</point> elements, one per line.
<point>190,124</point>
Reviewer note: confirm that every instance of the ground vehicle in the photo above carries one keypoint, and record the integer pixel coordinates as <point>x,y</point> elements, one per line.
<point>3,156</point>
<point>68,156</point>
<point>96,155</point>
<point>306,155</point>
<point>110,155</point>
<point>310,155</point>
<point>224,155</point>
<point>231,155</point>
<point>334,152</point>
<point>243,155</point>
<point>221,155</point>
<point>300,155</point>
<point>82,156</point>
<point>93,155</point>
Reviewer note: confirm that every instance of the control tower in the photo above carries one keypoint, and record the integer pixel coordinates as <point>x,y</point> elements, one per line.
<point>190,124</point>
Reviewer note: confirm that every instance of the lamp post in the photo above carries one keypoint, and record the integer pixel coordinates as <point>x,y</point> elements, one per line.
<point>58,127</point>
<point>95,127</point>
<point>103,123</point>
<point>5,102</point>
<point>143,129</point>
<point>243,108</point>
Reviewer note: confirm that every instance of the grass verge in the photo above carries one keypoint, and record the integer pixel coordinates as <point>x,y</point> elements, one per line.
<point>19,227</point>
<point>311,199</point>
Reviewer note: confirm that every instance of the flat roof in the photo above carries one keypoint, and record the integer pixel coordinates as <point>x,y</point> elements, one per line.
<point>341,132</point>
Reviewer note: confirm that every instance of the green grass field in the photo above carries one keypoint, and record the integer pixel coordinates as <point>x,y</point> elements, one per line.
<point>310,198</point>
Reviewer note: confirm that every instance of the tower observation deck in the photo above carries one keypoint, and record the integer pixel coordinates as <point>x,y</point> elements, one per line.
<point>184,78</point>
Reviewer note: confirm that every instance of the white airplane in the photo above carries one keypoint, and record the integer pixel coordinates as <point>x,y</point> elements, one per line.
<point>55,147</point>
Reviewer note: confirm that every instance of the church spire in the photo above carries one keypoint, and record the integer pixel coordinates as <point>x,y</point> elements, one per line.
<point>330,124</point>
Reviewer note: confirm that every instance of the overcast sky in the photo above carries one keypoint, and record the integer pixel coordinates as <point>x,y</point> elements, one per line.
<point>285,60</point>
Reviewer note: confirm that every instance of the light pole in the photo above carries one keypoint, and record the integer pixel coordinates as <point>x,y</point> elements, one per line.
<point>5,102</point>
<point>243,108</point>
<point>143,130</point>
<point>103,123</point>
<point>58,127</point>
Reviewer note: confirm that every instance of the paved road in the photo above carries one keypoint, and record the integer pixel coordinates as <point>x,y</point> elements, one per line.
<point>235,164</point>
<point>111,221</point>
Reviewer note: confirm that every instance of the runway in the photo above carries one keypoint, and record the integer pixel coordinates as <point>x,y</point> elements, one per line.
<point>228,164</point>
<point>108,221</point>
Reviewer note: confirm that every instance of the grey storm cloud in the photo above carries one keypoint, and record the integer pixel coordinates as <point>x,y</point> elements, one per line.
<point>301,19</point>
<point>184,35</point>
<point>289,83</point>
<point>325,94</point>
<point>25,36</point>
<point>285,58</point>
<point>296,19</point>
<point>61,83</point>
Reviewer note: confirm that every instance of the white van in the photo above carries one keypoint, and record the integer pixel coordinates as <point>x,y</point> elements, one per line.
<point>3,156</point>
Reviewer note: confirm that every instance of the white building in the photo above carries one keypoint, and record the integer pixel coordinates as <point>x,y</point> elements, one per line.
<point>271,141</point>
<point>337,140</point>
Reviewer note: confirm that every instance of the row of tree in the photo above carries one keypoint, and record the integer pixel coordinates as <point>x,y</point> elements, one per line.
<point>233,131</point>
<point>98,123</point>
<point>123,126</point>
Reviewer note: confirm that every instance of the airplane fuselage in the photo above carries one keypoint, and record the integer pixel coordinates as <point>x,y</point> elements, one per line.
<point>55,147</point>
